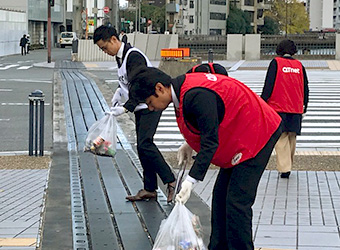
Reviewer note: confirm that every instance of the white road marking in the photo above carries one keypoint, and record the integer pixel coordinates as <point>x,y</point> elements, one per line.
<point>6,90</point>
<point>25,67</point>
<point>9,66</point>
<point>18,104</point>
<point>25,80</point>
<point>4,120</point>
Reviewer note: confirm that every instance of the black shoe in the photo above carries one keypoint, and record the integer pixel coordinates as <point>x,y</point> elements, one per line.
<point>143,195</point>
<point>285,175</point>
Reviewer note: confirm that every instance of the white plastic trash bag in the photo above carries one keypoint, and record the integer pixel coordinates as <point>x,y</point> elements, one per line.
<point>180,231</point>
<point>101,138</point>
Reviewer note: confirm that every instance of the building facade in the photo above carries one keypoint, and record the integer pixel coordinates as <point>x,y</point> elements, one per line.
<point>206,17</point>
<point>36,18</point>
<point>320,13</point>
<point>336,15</point>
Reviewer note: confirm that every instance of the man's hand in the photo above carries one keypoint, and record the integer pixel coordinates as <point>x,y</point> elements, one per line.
<point>116,111</point>
<point>303,115</point>
<point>185,192</point>
<point>117,98</point>
<point>184,153</point>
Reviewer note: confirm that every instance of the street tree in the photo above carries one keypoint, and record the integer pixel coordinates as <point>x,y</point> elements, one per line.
<point>291,16</point>
<point>270,27</point>
<point>156,15</point>
<point>238,22</point>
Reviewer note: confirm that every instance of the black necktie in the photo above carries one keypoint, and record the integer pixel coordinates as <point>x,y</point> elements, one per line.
<point>118,61</point>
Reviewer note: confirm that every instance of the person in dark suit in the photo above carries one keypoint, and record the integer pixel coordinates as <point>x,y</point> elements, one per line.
<point>23,43</point>
<point>153,163</point>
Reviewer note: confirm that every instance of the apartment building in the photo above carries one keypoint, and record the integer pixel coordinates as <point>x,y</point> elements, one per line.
<point>320,13</point>
<point>336,14</point>
<point>206,17</point>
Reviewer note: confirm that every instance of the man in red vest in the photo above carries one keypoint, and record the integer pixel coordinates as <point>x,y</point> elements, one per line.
<point>229,126</point>
<point>286,91</point>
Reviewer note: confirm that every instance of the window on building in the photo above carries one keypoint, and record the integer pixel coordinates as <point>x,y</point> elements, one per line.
<point>259,13</point>
<point>191,19</point>
<point>218,2</point>
<point>191,4</point>
<point>250,14</point>
<point>215,32</point>
<point>217,16</point>
<point>249,2</point>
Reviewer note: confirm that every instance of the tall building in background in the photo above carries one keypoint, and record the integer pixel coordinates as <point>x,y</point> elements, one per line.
<point>336,15</point>
<point>206,17</point>
<point>321,13</point>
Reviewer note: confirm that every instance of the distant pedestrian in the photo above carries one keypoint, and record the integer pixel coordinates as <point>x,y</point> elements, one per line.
<point>28,44</point>
<point>286,91</point>
<point>23,42</point>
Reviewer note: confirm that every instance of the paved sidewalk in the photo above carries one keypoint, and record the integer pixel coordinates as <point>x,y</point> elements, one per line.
<point>302,212</point>
<point>21,199</point>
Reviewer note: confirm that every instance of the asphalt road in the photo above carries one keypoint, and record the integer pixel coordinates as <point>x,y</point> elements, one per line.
<point>18,78</point>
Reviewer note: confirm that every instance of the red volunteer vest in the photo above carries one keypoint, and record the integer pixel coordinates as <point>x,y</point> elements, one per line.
<point>246,127</point>
<point>288,91</point>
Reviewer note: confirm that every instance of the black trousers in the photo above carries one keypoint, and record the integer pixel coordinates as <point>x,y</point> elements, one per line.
<point>23,50</point>
<point>150,157</point>
<point>233,196</point>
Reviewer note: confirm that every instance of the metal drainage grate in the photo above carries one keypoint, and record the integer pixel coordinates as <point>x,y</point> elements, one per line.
<point>79,229</point>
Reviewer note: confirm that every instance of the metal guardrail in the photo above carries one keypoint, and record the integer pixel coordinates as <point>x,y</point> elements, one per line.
<point>310,46</point>
<point>202,43</point>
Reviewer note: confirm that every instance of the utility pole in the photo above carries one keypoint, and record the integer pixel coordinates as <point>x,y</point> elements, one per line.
<point>49,30</point>
<point>95,14</point>
<point>140,14</point>
<point>286,2</point>
<point>136,15</point>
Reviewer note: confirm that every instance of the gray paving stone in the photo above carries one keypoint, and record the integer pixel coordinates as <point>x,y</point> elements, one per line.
<point>273,242</point>
<point>319,239</point>
<point>317,229</point>
<point>318,248</point>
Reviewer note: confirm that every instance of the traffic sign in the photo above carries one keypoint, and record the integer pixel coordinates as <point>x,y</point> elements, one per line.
<point>106,9</point>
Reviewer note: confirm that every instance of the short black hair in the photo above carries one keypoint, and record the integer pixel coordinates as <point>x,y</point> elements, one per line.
<point>104,33</point>
<point>143,81</point>
<point>205,67</point>
<point>286,47</point>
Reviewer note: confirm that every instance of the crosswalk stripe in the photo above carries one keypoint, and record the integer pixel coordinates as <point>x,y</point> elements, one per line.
<point>16,65</point>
